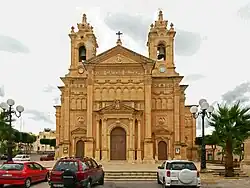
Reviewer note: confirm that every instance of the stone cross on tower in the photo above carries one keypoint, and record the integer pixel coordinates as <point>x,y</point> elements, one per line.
<point>119,42</point>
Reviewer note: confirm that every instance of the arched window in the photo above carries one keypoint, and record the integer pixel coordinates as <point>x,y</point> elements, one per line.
<point>161,52</point>
<point>82,54</point>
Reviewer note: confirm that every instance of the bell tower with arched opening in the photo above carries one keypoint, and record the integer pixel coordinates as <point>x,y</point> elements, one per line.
<point>83,44</point>
<point>161,46</point>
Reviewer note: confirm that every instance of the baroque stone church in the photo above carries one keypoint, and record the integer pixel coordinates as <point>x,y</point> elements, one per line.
<point>121,105</point>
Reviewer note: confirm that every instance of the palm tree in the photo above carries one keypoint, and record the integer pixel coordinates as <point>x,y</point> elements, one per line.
<point>3,127</point>
<point>231,124</point>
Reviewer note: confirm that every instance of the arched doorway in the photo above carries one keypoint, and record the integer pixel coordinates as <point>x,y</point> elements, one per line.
<point>80,149</point>
<point>118,144</point>
<point>162,151</point>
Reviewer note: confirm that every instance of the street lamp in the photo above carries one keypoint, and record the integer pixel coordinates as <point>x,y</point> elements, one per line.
<point>205,111</point>
<point>8,111</point>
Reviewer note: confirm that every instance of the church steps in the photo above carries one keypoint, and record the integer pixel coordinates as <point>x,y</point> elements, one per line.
<point>130,175</point>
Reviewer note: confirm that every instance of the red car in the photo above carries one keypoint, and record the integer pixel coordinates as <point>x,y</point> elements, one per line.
<point>22,173</point>
<point>76,173</point>
<point>49,157</point>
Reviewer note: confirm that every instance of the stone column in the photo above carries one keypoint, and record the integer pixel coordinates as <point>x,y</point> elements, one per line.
<point>148,144</point>
<point>89,144</point>
<point>66,120</point>
<point>73,151</point>
<point>156,149</point>
<point>104,140</point>
<point>247,152</point>
<point>131,140</point>
<point>139,142</point>
<point>97,152</point>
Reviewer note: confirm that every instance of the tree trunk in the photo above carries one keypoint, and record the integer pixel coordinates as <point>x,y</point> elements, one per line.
<point>229,169</point>
<point>213,148</point>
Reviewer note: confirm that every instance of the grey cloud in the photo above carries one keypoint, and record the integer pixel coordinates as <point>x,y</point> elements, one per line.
<point>9,44</point>
<point>244,12</point>
<point>237,94</point>
<point>39,116</point>
<point>2,92</point>
<point>186,43</point>
<point>193,77</point>
<point>56,100</point>
<point>49,89</point>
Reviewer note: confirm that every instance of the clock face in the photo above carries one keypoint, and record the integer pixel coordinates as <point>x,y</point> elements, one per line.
<point>81,70</point>
<point>162,69</point>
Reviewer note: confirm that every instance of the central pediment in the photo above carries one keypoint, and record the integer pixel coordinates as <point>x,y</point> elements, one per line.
<point>118,55</point>
<point>117,107</point>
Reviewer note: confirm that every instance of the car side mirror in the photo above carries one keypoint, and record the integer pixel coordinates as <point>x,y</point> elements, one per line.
<point>159,167</point>
<point>99,165</point>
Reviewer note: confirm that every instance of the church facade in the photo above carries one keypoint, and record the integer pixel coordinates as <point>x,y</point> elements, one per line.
<point>120,105</point>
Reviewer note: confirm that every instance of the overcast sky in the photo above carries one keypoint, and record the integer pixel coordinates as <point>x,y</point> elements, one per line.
<point>211,46</point>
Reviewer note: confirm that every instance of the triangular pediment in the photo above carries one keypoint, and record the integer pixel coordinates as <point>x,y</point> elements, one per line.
<point>79,130</point>
<point>120,54</point>
<point>160,130</point>
<point>117,107</point>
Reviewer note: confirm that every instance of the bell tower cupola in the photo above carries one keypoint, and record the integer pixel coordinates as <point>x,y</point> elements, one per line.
<point>83,43</point>
<point>161,46</point>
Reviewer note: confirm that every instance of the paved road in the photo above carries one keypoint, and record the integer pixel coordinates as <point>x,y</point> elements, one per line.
<point>243,183</point>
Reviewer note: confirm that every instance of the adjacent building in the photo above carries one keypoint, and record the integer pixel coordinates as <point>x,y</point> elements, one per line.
<point>121,105</point>
<point>46,134</point>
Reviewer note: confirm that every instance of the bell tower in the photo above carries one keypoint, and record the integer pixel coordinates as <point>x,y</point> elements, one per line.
<point>161,46</point>
<point>83,43</point>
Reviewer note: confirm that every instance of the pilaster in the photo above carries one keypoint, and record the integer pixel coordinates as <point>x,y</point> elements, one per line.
<point>104,140</point>
<point>89,145</point>
<point>131,140</point>
<point>139,156</point>
<point>148,144</point>
<point>97,152</point>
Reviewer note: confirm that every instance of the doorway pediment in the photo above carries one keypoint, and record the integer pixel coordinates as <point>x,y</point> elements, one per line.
<point>117,107</point>
<point>79,131</point>
<point>160,130</point>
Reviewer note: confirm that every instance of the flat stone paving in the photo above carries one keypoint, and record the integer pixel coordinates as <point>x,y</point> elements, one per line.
<point>242,183</point>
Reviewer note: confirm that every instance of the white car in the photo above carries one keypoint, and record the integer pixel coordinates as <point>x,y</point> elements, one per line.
<point>21,158</point>
<point>181,173</point>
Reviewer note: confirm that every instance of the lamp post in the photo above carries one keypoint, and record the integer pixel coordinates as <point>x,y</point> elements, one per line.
<point>8,111</point>
<point>205,111</point>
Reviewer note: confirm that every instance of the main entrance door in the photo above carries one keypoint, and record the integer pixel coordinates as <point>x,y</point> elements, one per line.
<point>162,151</point>
<point>80,149</point>
<point>118,144</point>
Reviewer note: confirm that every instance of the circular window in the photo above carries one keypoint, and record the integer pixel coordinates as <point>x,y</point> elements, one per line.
<point>162,69</point>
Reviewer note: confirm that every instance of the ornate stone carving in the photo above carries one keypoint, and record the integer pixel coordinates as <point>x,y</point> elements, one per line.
<point>80,120</point>
<point>162,120</point>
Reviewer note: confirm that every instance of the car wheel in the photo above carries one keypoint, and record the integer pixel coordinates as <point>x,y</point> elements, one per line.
<point>158,180</point>
<point>101,181</point>
<point>27,183</point>
<point>1,186</point>
<point>46,177</point>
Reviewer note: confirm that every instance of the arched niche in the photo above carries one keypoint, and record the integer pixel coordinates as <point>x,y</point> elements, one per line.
<point>161,51</point>
<point>82,54</point>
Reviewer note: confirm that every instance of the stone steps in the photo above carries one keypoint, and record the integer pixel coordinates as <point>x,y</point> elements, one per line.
<point>237,171</point>
<point>130,175</point>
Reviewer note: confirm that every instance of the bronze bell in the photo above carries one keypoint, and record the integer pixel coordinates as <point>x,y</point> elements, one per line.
<point>83,54</point>
<point>161,54</point>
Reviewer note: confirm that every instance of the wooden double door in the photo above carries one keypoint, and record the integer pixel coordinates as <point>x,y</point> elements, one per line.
<point>118,144</point>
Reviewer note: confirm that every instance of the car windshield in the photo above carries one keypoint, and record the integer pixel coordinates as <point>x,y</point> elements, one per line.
<point>18,167</point>
<point>181,166</point>
<point>66,165</point>
<point>18,156</point>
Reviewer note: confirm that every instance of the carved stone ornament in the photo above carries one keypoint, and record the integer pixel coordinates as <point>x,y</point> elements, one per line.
<point>117,104</point>
<point>80,120</point>
<point>162,121</point>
